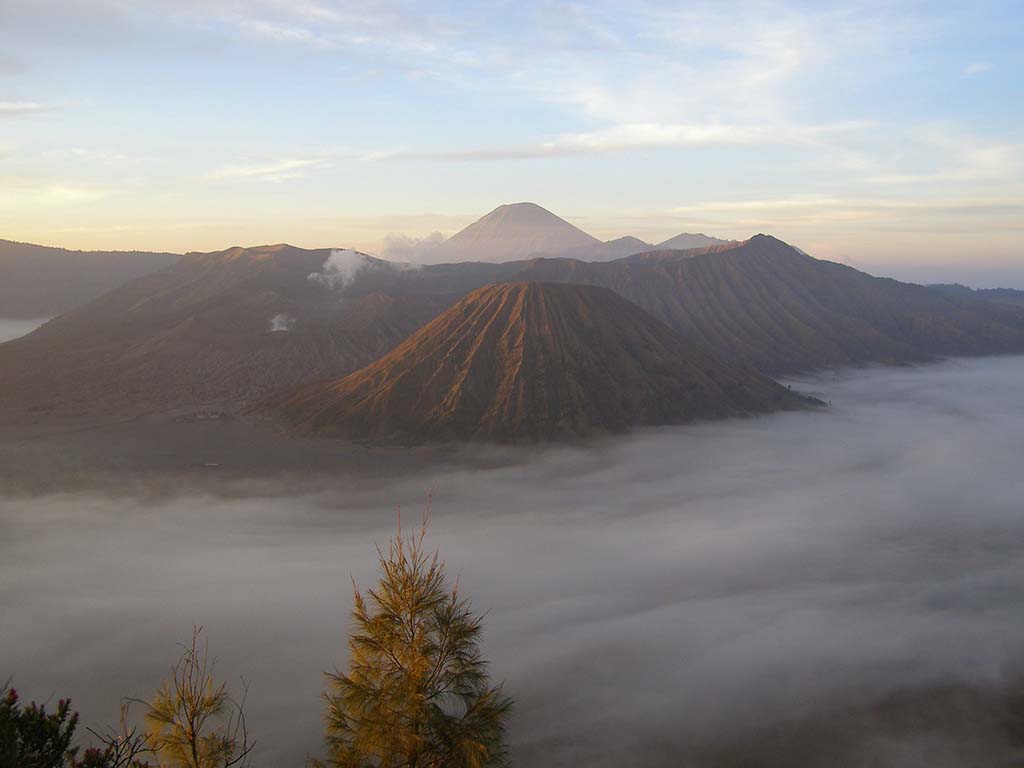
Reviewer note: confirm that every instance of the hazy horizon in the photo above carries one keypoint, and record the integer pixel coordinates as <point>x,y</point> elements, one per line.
<point>413,250</point>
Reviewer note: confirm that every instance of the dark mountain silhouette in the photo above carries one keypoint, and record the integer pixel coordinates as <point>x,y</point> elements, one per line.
<point>515,231</point>
<point>37,281</point>
<point>531,361</point>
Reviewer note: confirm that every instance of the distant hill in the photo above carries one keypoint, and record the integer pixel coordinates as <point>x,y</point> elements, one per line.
<point>531,361</point>
<point>37,281</point>
<point>606,251</point>
<point>625,247</point>
<point>1008,296</point>
<point>513,232</point>
<point>686,242</point>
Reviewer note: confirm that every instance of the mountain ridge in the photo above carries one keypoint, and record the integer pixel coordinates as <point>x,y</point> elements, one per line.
<point>765,303</point>
<point>43,281</point>
<point>227,329</point>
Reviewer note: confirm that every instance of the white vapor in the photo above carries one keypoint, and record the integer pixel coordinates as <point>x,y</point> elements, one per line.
<point>344,265</point>
<point>281,322</point>
<point>17,108</point>
<point>340,269</point>
<point>418,250</point>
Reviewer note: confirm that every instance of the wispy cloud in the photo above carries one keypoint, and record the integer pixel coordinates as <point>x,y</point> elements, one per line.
<point>87,155</point>
<point>47,191</point>
<point>21,108</point>
<point>289,168</point>
<point>280,33</point>
<point>650,135</point>
<point>976,68</point>
<point>938,154</point>
<point>381,30</point>
<point>275,170</point>
<point>641,136</point>
<point>838,212</point>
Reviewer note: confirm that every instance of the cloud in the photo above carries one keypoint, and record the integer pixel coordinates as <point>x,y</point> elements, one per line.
<point>880,212</point>
<point>280,33</point>
<point>276,170</point>
<point>23,108</point>
<point>103,157</point>
<point>629,137</point>
<point>377,31</point>
<point>656,135</point>
<point>397,247</point>
<point>976,68</point>
<point>940,155</point>
<point>289,168</point>
<point>44,191</point>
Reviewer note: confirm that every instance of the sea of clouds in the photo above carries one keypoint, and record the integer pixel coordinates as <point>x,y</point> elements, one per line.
<point>649,600</point>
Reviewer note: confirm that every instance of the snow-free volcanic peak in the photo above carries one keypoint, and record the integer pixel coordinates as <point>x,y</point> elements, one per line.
<point>516,231</point>
<point>531,361</point>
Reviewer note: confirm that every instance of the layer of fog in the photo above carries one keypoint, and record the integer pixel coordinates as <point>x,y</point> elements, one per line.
<point>16,328</point>
<point>682,588</point>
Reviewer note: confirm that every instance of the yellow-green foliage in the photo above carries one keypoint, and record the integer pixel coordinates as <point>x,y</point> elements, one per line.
<point>192,721</point>
<point>417,693</point>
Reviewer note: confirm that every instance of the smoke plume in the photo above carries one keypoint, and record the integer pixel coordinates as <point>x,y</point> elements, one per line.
<point>281,322</point>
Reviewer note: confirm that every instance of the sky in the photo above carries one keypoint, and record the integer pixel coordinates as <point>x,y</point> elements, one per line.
<point>887,135</point>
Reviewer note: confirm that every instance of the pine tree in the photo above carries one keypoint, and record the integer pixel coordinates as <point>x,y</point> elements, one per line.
<point>417,692</point>
<point>192,721</point>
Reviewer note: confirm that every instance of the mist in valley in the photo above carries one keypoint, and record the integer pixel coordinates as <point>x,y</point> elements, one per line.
<point>683,594</point>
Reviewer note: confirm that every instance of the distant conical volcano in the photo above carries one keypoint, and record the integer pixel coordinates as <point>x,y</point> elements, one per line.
<point>531,361</point>
<point>515,231</point>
